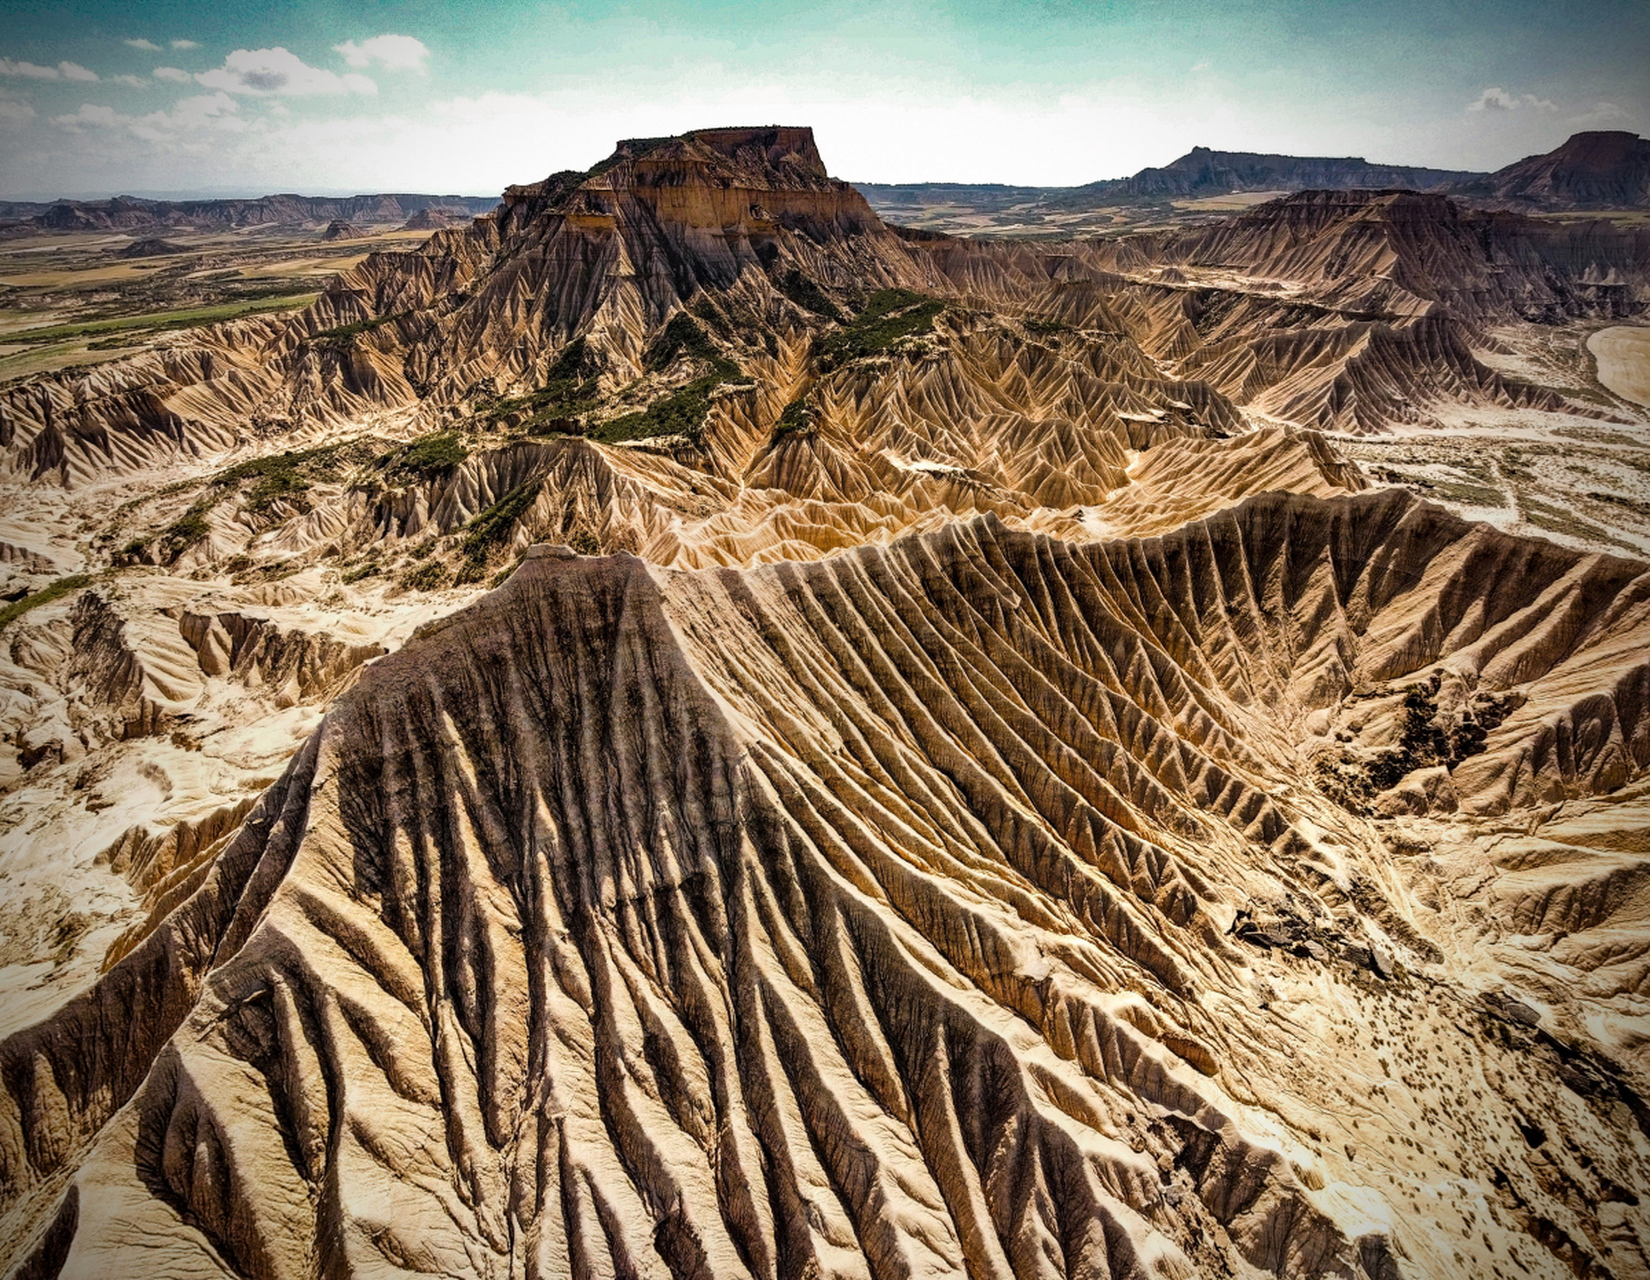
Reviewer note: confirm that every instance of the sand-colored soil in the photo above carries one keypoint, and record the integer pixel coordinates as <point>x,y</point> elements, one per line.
<point>1623,355</point>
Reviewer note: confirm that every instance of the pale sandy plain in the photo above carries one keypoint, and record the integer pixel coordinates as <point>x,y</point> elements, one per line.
<point>1623,355</point>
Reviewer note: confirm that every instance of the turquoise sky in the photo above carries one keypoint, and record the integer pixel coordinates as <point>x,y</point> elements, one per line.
<point>176,96</point>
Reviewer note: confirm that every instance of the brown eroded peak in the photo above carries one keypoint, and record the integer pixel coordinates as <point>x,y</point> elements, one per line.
<point>1600,169</point>
<point>776,168</point>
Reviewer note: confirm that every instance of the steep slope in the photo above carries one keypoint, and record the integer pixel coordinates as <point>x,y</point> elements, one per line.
<point>953,907</point>
<point>1598,170</point>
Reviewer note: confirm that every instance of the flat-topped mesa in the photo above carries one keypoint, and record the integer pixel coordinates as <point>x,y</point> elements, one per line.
<point>755,179</point>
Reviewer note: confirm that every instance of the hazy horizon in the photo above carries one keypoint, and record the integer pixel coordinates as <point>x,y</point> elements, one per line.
<point>197,101</point>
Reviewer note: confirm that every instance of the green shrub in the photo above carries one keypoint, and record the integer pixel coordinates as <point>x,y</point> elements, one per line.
<point>796,420</point>
<point>51,591</point>
<point>280,475</point>
<point>368,570</point>
<point>427,458</point>
<point>186,530</point>
<point>680,413</point>
<point>426,577</point>
<point>809,296</point>
<point>492,528</point>
<point>342,337</point>
<point>683,335</point>
<point>888,317</point>
<point>1044,325</point>
<point>571,386</point>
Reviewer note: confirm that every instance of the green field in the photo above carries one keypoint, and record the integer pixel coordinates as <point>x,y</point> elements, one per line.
<point>186,318</point>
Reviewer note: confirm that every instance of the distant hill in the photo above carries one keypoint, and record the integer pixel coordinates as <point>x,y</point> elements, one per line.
<point>995,209</point>
<point>128,213</point>
<point>1605,169</point>
<point>1204,172</point>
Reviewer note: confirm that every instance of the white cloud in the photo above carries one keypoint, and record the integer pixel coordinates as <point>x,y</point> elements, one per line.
<point>14,113</point>
<point>185,44</point>
<point>1202,66</point>
<point>189,126</point>
<point>148,46</point>
<point>74,71</point>
<point>1498,99</point>
<point>1602,113</point>
<point>278,70</point>
<point>174,74</point>
<point>397,53</point>
<point>135,82</point>
<point>28,69</point>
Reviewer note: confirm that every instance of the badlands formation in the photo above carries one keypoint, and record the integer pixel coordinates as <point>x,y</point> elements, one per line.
<point>679,729</point>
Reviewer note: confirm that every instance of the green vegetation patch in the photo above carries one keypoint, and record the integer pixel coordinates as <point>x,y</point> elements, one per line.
<point>809,296</point>
<point>282,475</point>
<point>186,530</point>
<point>491,530</point>
<point>430,576</point>
<point>888,317</point>
<point>683,411</point>
<point>184,319</point>
<point>680,413</point>
<point>798,419</point>
<point>571,387</point>
<point>367,570</point>
<point>683,335</point>
<point>426,458</point>
<point>342,337</point>
<point>52,591</point>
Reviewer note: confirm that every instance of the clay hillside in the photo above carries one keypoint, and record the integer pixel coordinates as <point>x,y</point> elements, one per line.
<point>679,729</point>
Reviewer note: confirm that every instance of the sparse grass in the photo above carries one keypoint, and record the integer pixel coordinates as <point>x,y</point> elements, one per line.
<point>888,317</point>
<point>52,591</point>
<point>1469,495</point>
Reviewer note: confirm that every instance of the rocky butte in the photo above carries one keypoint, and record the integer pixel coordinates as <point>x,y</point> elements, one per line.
<point>680,730</point>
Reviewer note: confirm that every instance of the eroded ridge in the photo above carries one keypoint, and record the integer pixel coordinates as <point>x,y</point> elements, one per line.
<point>941,908</point>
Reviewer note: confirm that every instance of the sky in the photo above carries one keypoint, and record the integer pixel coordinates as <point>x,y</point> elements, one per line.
<point>178,97</point>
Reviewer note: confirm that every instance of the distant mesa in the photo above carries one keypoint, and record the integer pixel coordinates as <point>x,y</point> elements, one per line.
<point>1603,169</point>
<point>437,217</point>
<point>340,229</point>
<point>1204,172</point>
<point>136,213</point>
<point>149,247</point>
